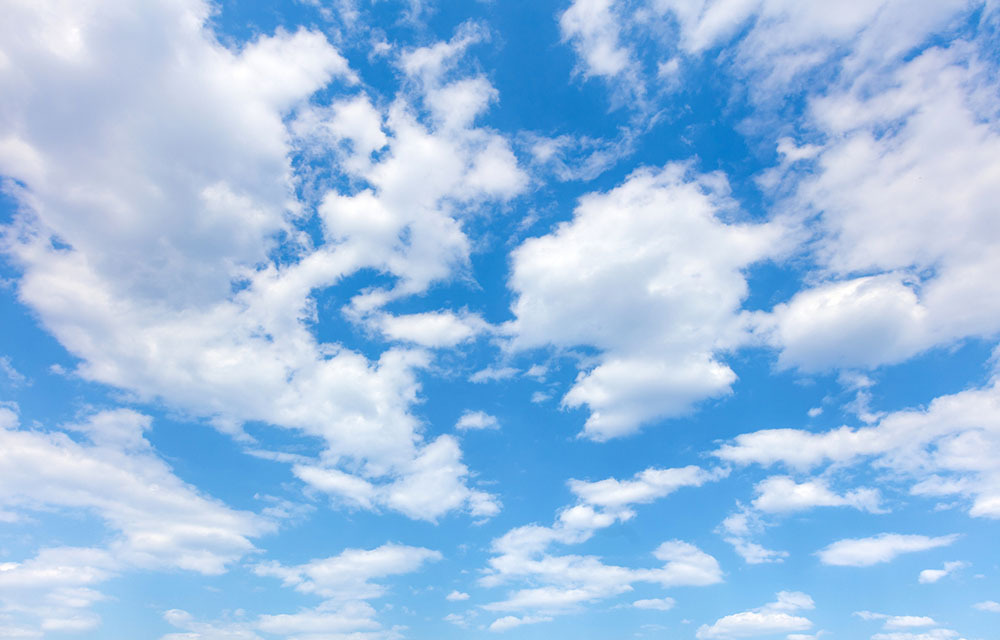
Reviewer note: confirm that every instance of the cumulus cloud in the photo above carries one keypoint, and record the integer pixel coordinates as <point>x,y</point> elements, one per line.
<point>525,554</point>
<point>781,494</point>
<point>650,274</point>
<point>348,575</point>
<point>646,486</point>
<point>864,552</point>
<point>739,529</point>
<point>775,617</point>
<point>659,604</point>
<point>345,582</point>
<point>907,627</point>
<point>947,448</point>
<point>476,420</point>
<point>897,622</point>
<point>930,178</point>
<point>929,576</point>
<point>147,243</point>
<point>432,329</point>
<point>509,622</point>
<point>427,487</point>
<point>155,520</point>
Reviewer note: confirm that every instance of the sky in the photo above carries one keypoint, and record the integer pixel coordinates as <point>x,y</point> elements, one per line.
<point>434,320</point>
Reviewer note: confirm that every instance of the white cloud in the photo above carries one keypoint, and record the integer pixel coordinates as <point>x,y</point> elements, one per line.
<point>476,420</point>
<point>348,576</point>
<point>929,576</point>
<point>432,329</point>
<point>509,622</point>
<point>15,377</point>
<point>649,273</point>
<point>950,447</point>
<point>739,528</point>
<point>659,604</point>
<point>897,622</point>
<point>988,605</point>
<point>781,494</point>
<point>904,622</point>
<point>492,374</point>
<point>155,520</point>
<point>932,634</point>
<point>161,521</point>
<point>161,280</point>
<point>593,29</point>
<point>863,552</point>
<point>345,582</point>
<point>195,630</point>
<point>646,486</point>
<point>556,584</point>
<point>914,147</point>
<point>425,488</point>
<point>772,618</point>
<point>457,596</point>
<point>777,42</point>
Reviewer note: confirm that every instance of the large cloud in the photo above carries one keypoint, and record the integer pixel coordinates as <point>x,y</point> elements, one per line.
<point>906,191</point>
<point>649,273</point>
<point>161,240</point>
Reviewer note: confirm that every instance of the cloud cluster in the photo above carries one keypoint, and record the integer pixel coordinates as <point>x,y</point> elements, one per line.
<point>569,581</point>
<point>345,582</point>
<point>162,242</point>
<point>915,149</point>
<point>156,520</point>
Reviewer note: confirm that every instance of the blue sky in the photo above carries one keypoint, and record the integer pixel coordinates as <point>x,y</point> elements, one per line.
<point>357,320</point>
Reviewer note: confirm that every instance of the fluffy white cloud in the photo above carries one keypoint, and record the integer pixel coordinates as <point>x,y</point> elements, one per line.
<point>146,242</point>
<point>781,40</point>
<point>345,582</point>
<point>594,30</point>
<point>457,596</point>
<point>569,581</point>
<point>156,520</point>
<point>739,528</point>
<point>432,329</point>
<point>769,45</point>
<point>781,494</point>
<point>659,604</point>
<point>476,420</point>
<point>988,605</point>
<point>864,552</point>
<point>162,521</point>
<point>928,576</point>
<point>646,486</point>
<point>509,622</point>
<point>897,622</point>
<point>598,31</point>
<point>650,274</point>
<point>426,487</point>
<point>950,447</point>
<point>915,148</point>
<point>347,576</point>
<point>772,618</point>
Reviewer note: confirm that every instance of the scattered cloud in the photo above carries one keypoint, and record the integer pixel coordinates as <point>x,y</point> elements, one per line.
<point>864,552</point>
<point>471,420</point>
<point>772,618</point>
<point>929,576</point>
